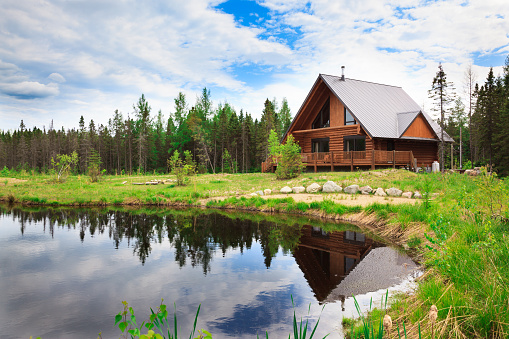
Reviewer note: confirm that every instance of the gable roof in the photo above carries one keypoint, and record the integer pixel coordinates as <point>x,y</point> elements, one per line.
<point>383,111</point>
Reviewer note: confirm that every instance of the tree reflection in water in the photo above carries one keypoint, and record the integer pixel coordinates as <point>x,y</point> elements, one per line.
<point>194,236</point>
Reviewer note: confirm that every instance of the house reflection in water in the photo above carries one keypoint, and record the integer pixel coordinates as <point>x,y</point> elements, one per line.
<point>326,258</point>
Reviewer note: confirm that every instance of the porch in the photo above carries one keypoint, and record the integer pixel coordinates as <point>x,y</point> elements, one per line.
<point>350,159</point>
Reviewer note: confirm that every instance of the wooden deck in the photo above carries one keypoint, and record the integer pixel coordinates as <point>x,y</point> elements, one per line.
<point>350,159</point>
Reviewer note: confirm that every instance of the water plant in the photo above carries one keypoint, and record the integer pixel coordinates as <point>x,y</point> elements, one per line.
<point>126,322</point>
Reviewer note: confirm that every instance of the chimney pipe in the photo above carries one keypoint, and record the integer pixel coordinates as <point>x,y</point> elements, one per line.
<point>343,73</point>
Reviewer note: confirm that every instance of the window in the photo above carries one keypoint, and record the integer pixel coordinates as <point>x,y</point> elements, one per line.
<point>354,143</point>
<point>349,264</point>
<point>320,145</point>
<point>319,233</point>
<point>349,120</point>
<point>323,118</point>
<point>351,236</point>
<point>390,145</point>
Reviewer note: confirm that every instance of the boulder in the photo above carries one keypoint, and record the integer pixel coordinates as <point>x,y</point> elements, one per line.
<point>417,195</point>
<point>393,192</point>
<point>331,187</point>
<point>366,190</point>
<point>267,191</point>
<point>299,189</point>
<point>259,192</point>
<point>285,190</point>
<point>313,188</point>
<point>352,189</point>
<point>253,194</point>
<point>472,172</point>
<point>380,192</point>
<point>407,195</point>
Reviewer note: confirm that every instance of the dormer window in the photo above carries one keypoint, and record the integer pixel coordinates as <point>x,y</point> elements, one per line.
<point>323,118</point>
<point>349,120</point>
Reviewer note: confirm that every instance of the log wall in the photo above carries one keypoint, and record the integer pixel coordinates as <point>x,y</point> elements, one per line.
<point>335,135</point>
<point>424,151</point>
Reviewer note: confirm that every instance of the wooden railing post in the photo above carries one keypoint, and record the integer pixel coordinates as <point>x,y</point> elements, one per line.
<point>351,164</point>
<point>393,159</point>
<point>316,159</point>
<point>373,160</point>
<point>332,161</point>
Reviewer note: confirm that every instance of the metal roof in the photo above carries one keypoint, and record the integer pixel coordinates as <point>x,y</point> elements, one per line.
<point>383,111</point>
<point>405,120</point>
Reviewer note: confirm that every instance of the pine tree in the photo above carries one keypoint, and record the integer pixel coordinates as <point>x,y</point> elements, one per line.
<point>441,92</point>
<point>268,122</point>
<point>285,117</point>
<point>142,112</point>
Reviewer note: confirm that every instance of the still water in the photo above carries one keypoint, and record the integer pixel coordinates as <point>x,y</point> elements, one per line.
<point>65,272</point>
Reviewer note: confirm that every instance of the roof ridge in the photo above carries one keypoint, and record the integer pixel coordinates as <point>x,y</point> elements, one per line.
<point>369,82</point>
<point>409,112</point>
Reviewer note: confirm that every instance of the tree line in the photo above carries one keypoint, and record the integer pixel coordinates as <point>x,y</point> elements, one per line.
<point>220,139</point>
<point>479,126</point>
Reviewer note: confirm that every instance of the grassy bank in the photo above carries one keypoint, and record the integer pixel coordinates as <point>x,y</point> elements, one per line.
<point>111,190</point>
<point>461,235</point>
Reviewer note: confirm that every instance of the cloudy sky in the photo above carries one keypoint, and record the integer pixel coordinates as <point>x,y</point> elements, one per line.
<point>60,59</point>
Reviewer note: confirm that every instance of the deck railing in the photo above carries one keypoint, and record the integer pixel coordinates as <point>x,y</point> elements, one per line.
<point>350,158</point>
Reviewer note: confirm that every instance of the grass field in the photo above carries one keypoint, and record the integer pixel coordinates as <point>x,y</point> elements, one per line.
<point>461,236</point>
<point>78,190</point>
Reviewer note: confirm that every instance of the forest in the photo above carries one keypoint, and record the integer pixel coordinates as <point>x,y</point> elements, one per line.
<point>221,139</point>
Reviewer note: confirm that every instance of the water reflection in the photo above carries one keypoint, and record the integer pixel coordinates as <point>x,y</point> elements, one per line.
<point>195,237</point>
<point>326,258</point>
<point>241,268</point>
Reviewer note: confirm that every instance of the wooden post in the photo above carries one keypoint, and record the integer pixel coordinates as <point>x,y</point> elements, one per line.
<point>332,161</point>
<point>373,160</point>
<point>393,159</point>
<point>351,163</point>
<point>452,157</point>
<point>315,162</point>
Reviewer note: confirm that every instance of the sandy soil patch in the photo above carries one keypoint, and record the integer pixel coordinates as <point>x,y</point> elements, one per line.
<point>344,199</point>
<point>11,181</point>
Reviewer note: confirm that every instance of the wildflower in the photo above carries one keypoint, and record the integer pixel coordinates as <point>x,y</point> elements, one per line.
<point>433,313</point>
<point>387,322</point>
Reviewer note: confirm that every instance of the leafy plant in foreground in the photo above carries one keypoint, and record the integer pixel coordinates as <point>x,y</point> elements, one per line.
<point>126,320</point>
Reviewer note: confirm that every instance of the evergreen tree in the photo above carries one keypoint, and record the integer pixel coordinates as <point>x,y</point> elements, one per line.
<point>285,117</point>
<point>143,121</point>
<point>268,122</point>
<point>441,92</point>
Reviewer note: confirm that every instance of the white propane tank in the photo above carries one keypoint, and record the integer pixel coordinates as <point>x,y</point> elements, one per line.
<point>435,167</point>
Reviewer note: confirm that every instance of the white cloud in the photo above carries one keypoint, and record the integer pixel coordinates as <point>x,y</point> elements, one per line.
<point>56,77</point>
<point>111,52</point>
<point>29,89</point>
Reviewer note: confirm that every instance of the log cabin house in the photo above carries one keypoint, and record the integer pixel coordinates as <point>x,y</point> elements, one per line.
<point>347,123</point>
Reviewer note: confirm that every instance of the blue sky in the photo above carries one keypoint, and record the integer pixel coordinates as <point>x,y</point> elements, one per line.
<point>60,59</point>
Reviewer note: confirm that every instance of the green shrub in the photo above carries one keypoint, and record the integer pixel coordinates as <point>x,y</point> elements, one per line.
<point>289,160</point>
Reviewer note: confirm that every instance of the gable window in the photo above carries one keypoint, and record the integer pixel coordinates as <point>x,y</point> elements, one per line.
<point>349,120</point>
<point>354,143</point>
<point>323,118</point>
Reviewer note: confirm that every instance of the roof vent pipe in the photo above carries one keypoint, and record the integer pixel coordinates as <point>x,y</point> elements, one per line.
<point>343,73</point>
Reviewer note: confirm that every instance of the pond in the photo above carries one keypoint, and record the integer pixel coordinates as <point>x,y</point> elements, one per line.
<point>64,272</point>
